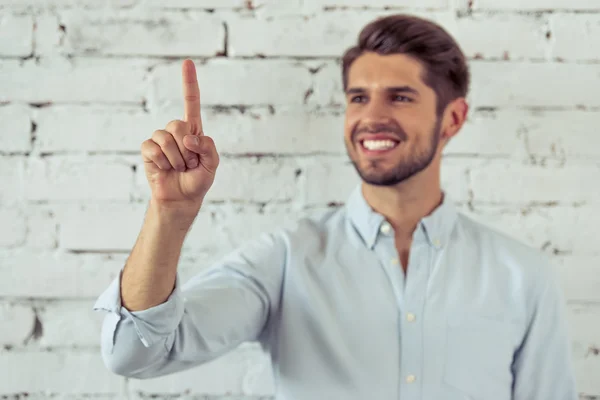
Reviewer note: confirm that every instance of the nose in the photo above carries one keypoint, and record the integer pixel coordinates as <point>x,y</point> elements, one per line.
<point>376,111</point>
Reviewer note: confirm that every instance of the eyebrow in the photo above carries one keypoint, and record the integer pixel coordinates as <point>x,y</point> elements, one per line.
<point>391,89</point>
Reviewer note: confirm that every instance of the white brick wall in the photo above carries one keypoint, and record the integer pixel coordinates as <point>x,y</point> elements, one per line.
<point>84,82</point>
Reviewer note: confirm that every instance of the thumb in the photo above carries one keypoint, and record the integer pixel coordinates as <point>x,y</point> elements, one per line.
<point>205,147</point>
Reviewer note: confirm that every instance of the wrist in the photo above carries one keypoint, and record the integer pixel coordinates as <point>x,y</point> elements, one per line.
<point>176,215</point>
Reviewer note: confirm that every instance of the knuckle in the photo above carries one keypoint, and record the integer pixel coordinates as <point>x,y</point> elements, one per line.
<point>164,139</point>
<point>148,147</point>
<point>157,133</point>
<point>177,127</point>
<point>155,153</point>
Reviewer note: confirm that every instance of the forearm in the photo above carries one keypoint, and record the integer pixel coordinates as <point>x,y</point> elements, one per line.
<point>214,312</point>
<point>149,275</point>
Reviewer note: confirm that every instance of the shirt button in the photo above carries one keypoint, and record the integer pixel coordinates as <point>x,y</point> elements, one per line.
<point>394,261</point>
<point>437,242</point>
<point>410,379</point>
<point>410,317</point>
<point>385,228</point>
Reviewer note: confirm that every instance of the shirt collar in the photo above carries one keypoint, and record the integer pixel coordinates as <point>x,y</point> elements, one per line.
<point>435,228</point>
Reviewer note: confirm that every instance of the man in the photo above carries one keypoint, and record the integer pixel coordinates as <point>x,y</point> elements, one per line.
<point>396,295</point>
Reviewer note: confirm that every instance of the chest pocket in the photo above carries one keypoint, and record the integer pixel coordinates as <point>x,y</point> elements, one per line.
<point>479,354</point>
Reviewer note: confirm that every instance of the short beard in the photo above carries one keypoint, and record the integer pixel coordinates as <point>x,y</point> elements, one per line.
<point>405,168</point>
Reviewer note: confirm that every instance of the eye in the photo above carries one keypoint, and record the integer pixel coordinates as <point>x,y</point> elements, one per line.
<point>358,99</point>
<point>402,99</point>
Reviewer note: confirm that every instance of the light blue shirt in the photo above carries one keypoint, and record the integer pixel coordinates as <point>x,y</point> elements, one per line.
<point>478,316</point>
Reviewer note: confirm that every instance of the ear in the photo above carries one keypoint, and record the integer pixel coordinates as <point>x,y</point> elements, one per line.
<point>454,118</point>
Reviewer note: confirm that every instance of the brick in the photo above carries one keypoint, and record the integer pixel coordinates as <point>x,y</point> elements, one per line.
<point>327,88</point>
<point>11,176</point>
<point>269,8</point>
<point>206,4</point>
<point>521,37</point>
<point>77,178</point>
<point>454,179</point>
<point>329,180</point>
<point>243,223</point>
<point>70,323</point>
<point>576,36</point>
<point>324,34</point>
<point>262,7</point>
<point>19,319</point>
<point>13,227</point>
<point>295,130</point>
<point>244,371</point>
<point>586,372</point>
<point>563,134</point>
<point>53,4</point>
<point>138,33</point>
<point>260,180</point>
<point>288,131</point>
<point>422,4</point>
<point>321,34</point>
<point>94,228</point>
<point>17,35</point>
<point>545,227</point>
<point>585,330</point>
<point>143,396</point>
<point>518,134</point>
<point>55,371</point>
<point>510,182</point>
<point>530,5</point>
<point>526,84</point>
<point>15,137</point>
<point>492,133</point>
<point>42,228</point>
<point>56,274</point>
<point>78,80</point>
<point>239,82</point>
<point>330,34</point>
<point>48,34</point>
<point>107,128</point>
<point>579,277</point>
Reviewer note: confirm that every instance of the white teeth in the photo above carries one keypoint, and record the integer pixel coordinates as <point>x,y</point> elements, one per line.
<point>379,144</point>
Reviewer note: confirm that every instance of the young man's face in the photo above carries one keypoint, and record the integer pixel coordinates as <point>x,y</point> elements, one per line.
<point>392,130</point>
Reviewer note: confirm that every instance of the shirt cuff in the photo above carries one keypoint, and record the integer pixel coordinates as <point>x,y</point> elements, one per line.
<point>151,325</point>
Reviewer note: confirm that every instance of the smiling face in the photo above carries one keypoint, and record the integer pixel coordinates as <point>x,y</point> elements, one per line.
<point>392,129</point>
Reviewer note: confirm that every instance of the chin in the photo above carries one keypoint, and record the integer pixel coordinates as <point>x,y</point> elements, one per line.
<point>374,173</point>
<point>379,178</point>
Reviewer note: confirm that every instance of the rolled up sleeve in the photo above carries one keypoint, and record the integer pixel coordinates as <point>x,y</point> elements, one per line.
<point>151,325</point>
<point>218,309</point>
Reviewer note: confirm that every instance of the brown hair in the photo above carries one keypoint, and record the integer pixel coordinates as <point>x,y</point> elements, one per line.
<point>446,70</point>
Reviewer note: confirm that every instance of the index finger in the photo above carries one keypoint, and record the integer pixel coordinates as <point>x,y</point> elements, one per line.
<point>191,97</point>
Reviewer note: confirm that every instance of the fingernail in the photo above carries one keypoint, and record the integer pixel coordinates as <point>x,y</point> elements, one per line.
<point>193,163</point>
<point>196,139</point>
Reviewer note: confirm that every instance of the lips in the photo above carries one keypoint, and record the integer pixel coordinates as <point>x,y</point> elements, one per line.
<point>377,136</point>
<point>377,144</point>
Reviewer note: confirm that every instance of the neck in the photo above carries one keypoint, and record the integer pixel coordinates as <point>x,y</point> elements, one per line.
<point>405,204</point>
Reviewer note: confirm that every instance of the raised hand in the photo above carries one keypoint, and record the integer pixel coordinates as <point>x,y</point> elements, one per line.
<point>180,161</point>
